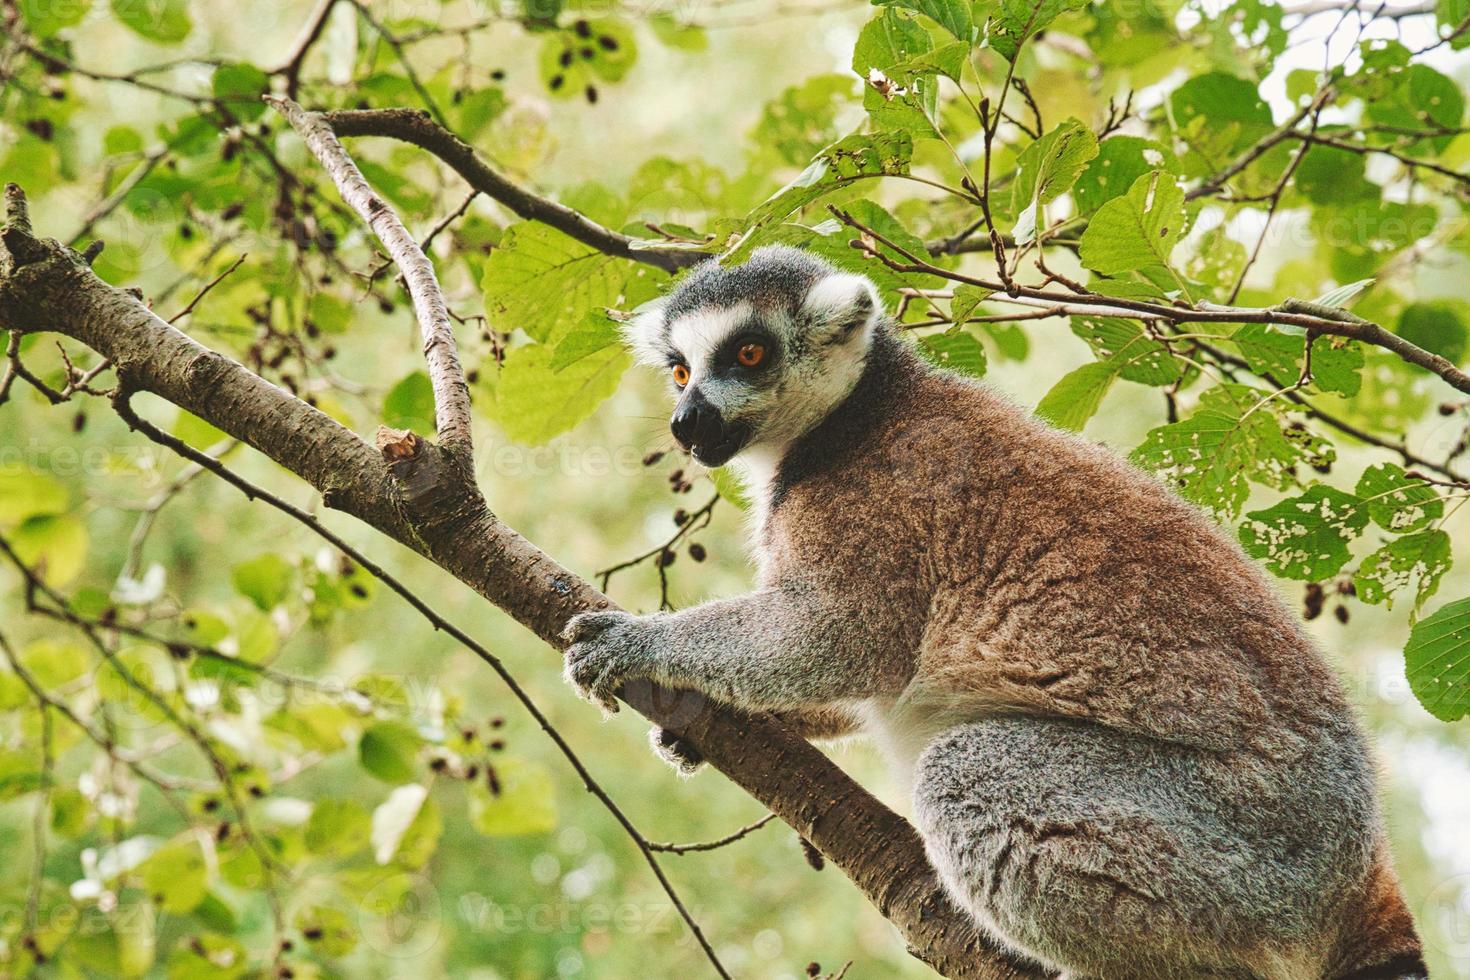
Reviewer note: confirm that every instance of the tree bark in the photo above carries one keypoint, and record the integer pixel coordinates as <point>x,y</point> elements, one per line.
<point>424,496</point>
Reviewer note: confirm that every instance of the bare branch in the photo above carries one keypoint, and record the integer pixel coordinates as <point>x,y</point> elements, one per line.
<point>451,392</point>
<point>413,126</point>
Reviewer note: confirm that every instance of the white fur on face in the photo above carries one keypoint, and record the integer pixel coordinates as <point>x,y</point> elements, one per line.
<point>696,336</point>
<point>831,330</point>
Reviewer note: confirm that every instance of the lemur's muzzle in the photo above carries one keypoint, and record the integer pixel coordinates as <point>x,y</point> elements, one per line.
<point>700,428</point>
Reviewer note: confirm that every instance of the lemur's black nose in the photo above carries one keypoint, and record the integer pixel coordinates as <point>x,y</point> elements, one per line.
<point>696,422</point>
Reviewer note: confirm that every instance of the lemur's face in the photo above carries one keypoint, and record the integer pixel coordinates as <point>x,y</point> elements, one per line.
<point>759,353</point>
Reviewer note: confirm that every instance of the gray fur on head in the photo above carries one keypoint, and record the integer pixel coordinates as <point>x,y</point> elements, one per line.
<point>815,320</point>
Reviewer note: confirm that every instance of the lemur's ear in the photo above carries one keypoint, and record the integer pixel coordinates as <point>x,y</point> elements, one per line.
<point>841,305</point>
<point>644,333</point>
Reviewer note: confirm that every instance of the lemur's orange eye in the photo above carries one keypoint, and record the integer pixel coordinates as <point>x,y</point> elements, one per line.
<point>751,354</point>
<point>681,375</point>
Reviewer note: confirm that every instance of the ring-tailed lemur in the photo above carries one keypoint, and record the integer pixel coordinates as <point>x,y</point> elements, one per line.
<point>1127,759</point>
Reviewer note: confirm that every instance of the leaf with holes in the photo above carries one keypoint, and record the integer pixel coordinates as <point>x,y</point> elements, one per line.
<point>1212,456</point>
<point>1139,357</point>
<point>1421,557</point>
<point>955,350</point>
<point>1306,537</point>
<point>1397,503</point>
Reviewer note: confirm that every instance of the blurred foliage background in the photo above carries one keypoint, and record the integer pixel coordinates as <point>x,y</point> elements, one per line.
<point>385,808</point>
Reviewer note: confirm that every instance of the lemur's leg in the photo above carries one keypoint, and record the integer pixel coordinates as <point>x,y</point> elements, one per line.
<point>815,724</point>
<point>1112,857</point>
<point>773,650</point>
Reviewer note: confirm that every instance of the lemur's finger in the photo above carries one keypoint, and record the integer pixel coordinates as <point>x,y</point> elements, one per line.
<point>585,626</point>
<point>604,690</point>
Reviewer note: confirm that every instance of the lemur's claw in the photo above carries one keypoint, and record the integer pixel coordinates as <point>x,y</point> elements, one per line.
<point>604,650</point>
<point>675,751</point>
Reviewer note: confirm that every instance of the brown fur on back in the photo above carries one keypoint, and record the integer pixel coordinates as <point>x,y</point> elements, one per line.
<point>1012,569</point>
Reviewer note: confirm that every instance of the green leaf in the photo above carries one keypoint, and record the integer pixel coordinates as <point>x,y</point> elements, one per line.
<point>1218,115</point>
<point>573,63</point>
<point>71,813</point>
<point>337,828</point>
<point>46,17</point>
<point>176,875</point>
<point>1340,296</point>
<point>802,119</point>
<point>1078,395</point>
<point>265,581</point>
<point>208,957</point>
<point>410,404</point>
<point>1417,97</point>
<point>1048,168</point>
<point>241,86</point>
<point>1120,161</point>
<point>856,157</point>
<point>29,493</point>
<point>594,334</point>
<point>1136,356</point>
<point>524,801</point>
<point>1438,326</point>
<point>56,544</point>
<point>966,301</point>
<point>1329,175</point>
<point>54,662</point>
<point>728,486</point>
<point>539,279</point>
<point>1397,503</point>
<point>1137,231</point>
<point>534,401</point>
<point>1423,556</point>
<point>330,931</point>
<point>1305,537</point>
<point>1337,365</point>
<point>956,351</point>
<point>389,751</point>
<point>952,15</point>
<point>1018,20</point>
<point>160,21</point>
<point>1437,661</point>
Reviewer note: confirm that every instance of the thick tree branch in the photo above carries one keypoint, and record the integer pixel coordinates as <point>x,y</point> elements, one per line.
<point>427,500</point>
<point>416,127</point>
<point>451,392</point>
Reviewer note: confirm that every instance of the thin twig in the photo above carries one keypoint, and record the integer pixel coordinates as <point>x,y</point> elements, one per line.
<point>711,845</point>
<point>205,290</point>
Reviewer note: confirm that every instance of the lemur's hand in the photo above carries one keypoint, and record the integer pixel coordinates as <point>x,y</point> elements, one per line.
<point>604,650</point>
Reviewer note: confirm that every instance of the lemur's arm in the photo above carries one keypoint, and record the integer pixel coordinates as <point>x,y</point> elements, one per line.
<point>781,648</point>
